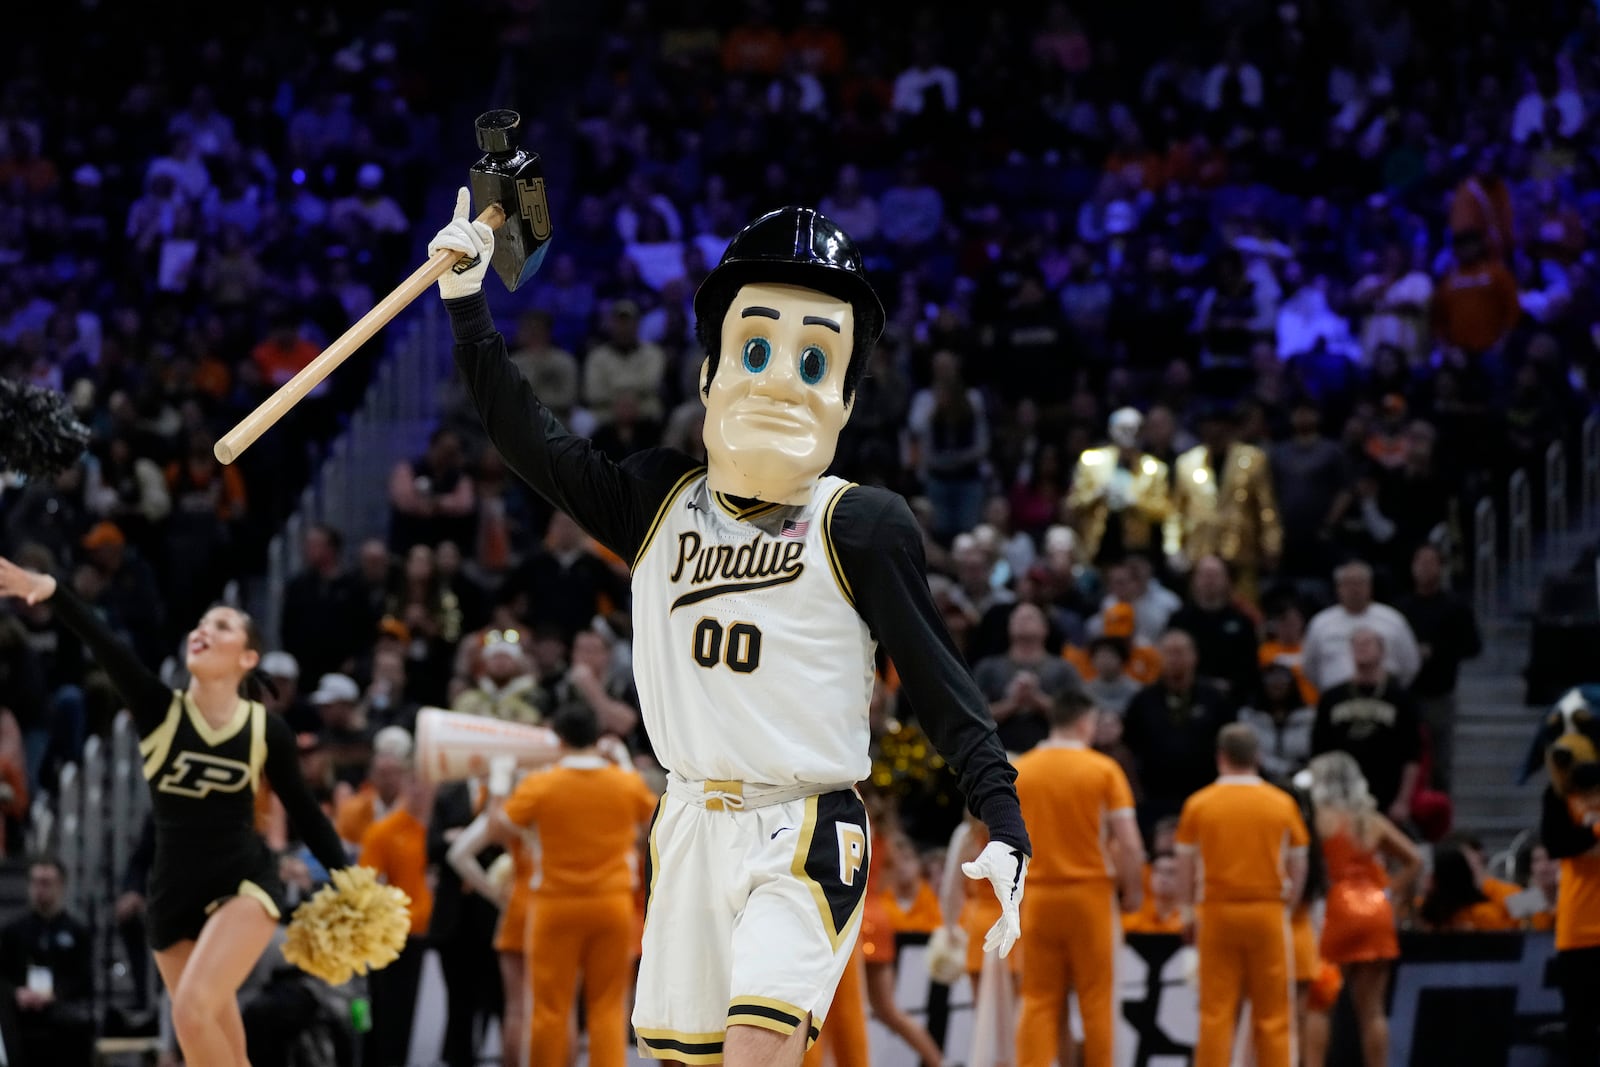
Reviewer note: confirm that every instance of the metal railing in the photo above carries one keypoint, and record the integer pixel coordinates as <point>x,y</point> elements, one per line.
<point>99,809</point>
<point>1519,529</point>
<point>1518,573</point>
<point>1556,519</point>
<point>349,491</point>
<point>1485,563</point>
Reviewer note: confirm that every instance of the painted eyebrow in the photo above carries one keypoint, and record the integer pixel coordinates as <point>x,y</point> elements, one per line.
<point>759,312</point>
<point>818,320</point>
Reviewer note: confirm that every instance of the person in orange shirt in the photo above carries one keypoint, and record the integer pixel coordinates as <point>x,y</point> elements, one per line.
<point>1242,860</point>
<point>1286,627</point>
<point>283,353</point>
<point>1476,304</point>
<point>1543,874</point>
<point>1496,889</point>
<point>396,846</point>
<point>1456,900</point>
<point>1162,911</point>
<point>1569,828</point>
<point>1119,622</point>
<point>1163,841</point>
<point>1079,808</point>
<point>1317,982</point>
<point>909,902</point>
<point>380,793</point>
<point>1481,204</point>
<point>511,891</point>
<point>588,812</point>
<point>869,980</point>
<point>1358,925</point>
<point>843,1042</point>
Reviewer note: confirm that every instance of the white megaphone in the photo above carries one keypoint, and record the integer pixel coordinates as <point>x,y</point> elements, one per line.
<point>452,746</point>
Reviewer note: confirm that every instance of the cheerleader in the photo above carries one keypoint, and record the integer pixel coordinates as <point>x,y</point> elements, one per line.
<point>215,897</point>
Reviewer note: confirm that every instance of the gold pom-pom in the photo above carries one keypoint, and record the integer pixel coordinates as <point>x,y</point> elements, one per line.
<point>353,926</point>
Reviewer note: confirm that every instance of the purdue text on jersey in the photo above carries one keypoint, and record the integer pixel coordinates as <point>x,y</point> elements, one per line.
<point>759,564</point>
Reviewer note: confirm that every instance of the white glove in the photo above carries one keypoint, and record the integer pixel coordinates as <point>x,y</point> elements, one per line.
<point>1007,870</point>
<point>474,239</point>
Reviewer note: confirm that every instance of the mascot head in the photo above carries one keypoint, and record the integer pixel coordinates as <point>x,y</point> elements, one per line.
<point>1568,743</point>
<point>787,321</point>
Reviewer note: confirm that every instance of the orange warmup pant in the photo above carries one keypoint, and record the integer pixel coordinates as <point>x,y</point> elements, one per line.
<point>844,1031</point>
<point>1245,954</point>
<point>588,935</point>
<point>1070,933</point>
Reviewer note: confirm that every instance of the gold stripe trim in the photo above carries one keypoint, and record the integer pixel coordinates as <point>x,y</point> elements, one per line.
<point>735,1019</point>
<point>250,891</point>
<point>212,735</point>
<point>661,513</point>
<point>827,541</point>
<point>706,1038</point>
<point>766,1022</point>
<point>689,1059</point>
<point>836,935</point>
<point>258,744</point>
<point>756,510</point>
<point>155,747</point>
<point>768,1002</point>
<point>645,1036</point>
<point>655,875</point>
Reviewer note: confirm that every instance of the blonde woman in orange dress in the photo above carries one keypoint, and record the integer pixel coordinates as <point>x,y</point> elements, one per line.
<point>511,936</point>
<point>1358,931</point>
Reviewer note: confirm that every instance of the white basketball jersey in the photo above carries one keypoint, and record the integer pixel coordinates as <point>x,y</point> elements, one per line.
<point>751,662</point>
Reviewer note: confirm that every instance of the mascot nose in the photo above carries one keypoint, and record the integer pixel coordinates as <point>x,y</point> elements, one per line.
<point>1562,759</point>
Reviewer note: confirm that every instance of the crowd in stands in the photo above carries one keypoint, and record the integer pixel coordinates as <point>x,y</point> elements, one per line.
<point>1203,330</point>
<point>183,226</point>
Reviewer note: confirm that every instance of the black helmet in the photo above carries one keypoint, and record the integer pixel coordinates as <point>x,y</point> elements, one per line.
<point>792,246</point>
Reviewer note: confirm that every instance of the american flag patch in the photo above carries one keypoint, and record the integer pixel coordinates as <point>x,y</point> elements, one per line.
<point>794,529</point>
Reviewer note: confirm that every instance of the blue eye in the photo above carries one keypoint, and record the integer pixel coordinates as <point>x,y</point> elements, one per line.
<point>813,365</point>
<point>757,354</point>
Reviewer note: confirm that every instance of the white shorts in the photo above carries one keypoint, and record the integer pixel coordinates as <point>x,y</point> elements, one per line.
<point>751,919</point>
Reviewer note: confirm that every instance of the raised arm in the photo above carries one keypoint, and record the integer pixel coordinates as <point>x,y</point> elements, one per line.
<point>614,503</point>
<point>879,549</point>
<point>146,696</point>
<point>305,814</point>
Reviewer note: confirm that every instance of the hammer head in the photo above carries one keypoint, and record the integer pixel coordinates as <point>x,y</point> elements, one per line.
<point>512,177</point>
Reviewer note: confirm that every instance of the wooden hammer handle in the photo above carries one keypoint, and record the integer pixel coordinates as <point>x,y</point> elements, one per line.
<point>291,392</point>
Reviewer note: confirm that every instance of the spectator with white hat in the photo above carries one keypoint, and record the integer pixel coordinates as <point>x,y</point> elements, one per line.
<point>343,731</point>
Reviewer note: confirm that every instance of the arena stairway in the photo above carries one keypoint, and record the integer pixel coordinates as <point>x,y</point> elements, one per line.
<point>1493,730</point>
<point>1494,727</point>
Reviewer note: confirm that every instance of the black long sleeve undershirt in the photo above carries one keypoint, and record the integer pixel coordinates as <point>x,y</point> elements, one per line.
<point>614,502</point>
<point>148,700</point>
<point>306,817</point>
<point>880,550</point>
<point>146,696</point>
<point>877,538</point>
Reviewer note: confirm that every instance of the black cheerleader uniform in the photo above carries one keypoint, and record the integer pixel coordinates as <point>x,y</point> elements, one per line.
<point>203,782</point>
